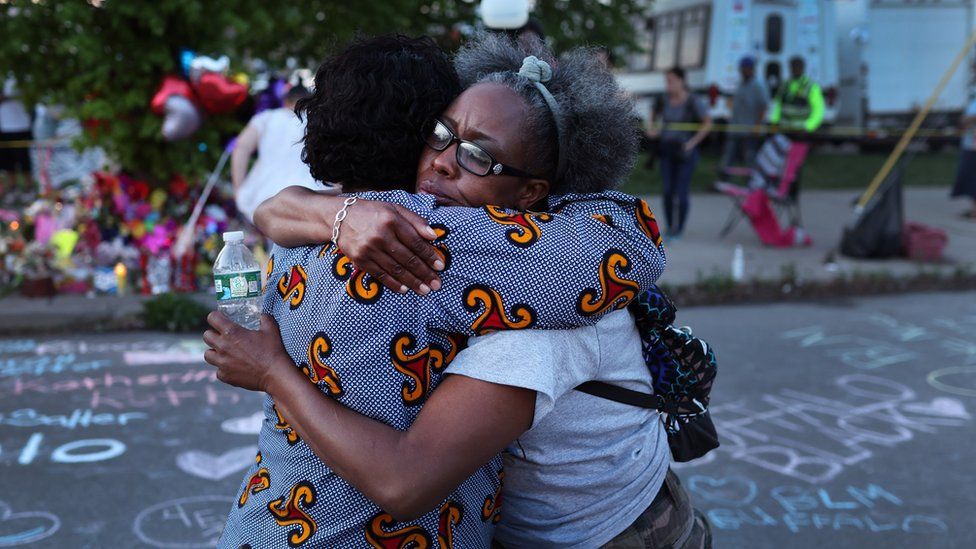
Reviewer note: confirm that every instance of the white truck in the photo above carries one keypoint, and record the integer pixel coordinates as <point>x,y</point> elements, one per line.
<point>708,38</point>
<point>893,53</point>
<point>876,60</point>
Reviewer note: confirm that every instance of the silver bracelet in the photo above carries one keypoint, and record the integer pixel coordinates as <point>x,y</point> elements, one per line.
<point>340,215</point>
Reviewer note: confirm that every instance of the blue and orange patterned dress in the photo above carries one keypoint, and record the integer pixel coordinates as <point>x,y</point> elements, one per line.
<point>381,353</point>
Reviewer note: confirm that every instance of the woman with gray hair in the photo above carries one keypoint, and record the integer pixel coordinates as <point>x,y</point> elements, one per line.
<point>583,472</point>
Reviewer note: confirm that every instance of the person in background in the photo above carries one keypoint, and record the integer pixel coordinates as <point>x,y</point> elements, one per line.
<point>678,147</point>
<point>966,175</point>
<point>15,126</point>
<point>798,107</point>
<point>748,111</point>
<point>276,135</point>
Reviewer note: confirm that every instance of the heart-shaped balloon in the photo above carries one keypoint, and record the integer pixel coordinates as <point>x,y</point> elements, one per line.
<point>218,94</point>
<point>171,86</point>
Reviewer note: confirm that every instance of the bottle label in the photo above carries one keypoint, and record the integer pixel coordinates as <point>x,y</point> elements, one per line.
<point>237,285</point>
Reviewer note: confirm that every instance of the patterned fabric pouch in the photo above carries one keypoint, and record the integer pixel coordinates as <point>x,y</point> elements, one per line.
<point>683,368</point>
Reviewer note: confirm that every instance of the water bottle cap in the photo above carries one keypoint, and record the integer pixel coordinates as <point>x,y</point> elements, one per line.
<point>234,236</point>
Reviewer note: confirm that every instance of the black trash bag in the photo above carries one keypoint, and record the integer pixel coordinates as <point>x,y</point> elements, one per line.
<point>877,232</point>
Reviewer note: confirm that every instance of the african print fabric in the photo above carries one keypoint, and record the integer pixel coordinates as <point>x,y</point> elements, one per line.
<point>381,353</point>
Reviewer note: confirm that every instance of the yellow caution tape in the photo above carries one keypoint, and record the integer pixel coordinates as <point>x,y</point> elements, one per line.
<point>828,131</point>
<point>913,128</point>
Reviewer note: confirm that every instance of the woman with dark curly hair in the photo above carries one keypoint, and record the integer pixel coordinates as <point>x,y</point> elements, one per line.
<point>373,141</point>
<point>365,116</point>
<point>591,472</point>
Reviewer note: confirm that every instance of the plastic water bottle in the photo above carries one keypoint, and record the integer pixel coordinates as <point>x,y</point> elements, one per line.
<point>738,263</point>
<point>237,280</point>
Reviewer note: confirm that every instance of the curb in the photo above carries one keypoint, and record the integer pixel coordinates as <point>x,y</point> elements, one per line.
<point>759,292</point>
<point>77,314</point>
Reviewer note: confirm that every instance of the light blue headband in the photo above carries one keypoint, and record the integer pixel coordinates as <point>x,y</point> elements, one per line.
<point>538,72</point>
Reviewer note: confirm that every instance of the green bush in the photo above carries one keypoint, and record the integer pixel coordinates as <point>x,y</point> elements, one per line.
<point>174,313</point>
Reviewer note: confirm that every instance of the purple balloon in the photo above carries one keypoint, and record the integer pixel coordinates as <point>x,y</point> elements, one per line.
<point>271,97</point>
<point>280,89</point>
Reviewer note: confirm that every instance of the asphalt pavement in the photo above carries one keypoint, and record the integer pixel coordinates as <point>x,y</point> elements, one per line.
<point>843,424</point>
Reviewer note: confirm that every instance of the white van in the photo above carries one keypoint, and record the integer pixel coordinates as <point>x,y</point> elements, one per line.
<point>893,53</point>
<point>708,38</point>
<point>877,61</point>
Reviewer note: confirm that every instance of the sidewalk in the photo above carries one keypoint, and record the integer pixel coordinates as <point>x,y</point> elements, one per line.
<point>67,313</point>
<point>75,313</point>
<point>700,255</point>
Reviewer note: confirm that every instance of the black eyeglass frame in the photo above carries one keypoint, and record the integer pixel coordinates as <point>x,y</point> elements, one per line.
<point>496,168</point>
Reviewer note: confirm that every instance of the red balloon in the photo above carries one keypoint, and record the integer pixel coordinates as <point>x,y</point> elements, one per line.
<point>218,94</point>
<point>172,85</point>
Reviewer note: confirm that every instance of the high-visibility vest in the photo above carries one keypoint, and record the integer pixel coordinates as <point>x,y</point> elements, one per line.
<point>795,105</point>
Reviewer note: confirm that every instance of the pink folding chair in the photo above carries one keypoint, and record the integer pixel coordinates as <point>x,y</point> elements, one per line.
<point>785,196</point>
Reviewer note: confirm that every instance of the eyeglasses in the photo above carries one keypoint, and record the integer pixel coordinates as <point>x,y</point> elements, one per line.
<point>470,156</point>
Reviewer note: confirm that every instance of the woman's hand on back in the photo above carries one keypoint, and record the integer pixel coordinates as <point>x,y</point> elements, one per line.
<point>387,241</point>
<point>392,244</point>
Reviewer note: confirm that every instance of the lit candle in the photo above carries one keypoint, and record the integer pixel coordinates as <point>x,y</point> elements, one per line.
<point>120,278</point>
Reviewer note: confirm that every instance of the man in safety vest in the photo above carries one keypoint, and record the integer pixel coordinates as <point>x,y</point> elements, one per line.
<point>799,103</point>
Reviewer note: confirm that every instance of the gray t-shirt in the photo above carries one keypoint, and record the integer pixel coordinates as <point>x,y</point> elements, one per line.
<point>590,466</point>
<point>749,101</point>
<point>691,111</point>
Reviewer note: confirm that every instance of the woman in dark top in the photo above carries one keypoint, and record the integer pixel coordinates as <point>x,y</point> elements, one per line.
<point>678,147</point>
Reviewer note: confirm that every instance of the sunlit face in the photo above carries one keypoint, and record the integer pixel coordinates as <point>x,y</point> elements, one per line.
<point>491,116</point>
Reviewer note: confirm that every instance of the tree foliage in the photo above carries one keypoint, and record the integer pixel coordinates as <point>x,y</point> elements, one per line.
<point>103,60</point>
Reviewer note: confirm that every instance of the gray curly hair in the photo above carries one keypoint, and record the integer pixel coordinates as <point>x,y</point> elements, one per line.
<point>599,145</point>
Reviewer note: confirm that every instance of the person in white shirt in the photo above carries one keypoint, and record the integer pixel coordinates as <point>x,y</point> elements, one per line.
<point>15,126</point>
<point>276,136</point>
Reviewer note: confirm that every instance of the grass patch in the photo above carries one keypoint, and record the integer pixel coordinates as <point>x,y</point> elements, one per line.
<point>174,313</point>
<point>823,170</point>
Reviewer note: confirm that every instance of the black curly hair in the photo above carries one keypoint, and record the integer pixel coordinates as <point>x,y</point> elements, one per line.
<point>371,102</point>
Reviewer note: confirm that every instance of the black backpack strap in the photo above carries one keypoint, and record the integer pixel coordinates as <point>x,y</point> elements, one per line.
<point>620,394</point>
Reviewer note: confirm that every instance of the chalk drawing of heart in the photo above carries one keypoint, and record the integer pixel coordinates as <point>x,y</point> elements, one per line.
<point>25,527</point>
<point>211,467</point>
<point>732,490</point>
<point>247,425</point>
<point>940,406</point>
